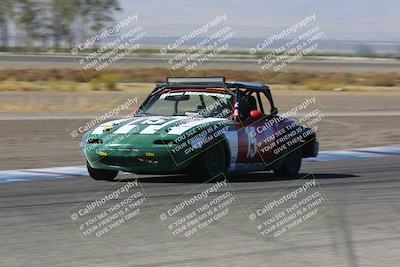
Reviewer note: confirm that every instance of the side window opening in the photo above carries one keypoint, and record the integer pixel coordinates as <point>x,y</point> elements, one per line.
<point>264,104</point>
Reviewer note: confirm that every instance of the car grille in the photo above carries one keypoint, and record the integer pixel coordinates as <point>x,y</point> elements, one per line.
<point>128,162</point>
<point>120,161</point>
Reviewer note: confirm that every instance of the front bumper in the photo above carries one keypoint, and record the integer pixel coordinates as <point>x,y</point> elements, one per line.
<point>150,161</point>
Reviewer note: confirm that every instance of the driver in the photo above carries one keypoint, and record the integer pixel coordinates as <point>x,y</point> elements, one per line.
<point>247,103</point>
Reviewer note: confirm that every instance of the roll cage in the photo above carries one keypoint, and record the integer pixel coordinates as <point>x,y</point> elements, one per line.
<point>237,89</point>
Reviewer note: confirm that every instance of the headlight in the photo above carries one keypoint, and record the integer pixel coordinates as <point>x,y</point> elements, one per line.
<point>84,140</point>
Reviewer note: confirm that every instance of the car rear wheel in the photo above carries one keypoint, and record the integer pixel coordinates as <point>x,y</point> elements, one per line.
<point>291,164</point>
<point>100,174</point>
<point>210,163</point>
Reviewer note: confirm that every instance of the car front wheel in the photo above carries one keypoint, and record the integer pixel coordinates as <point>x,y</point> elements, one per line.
<point>210,163</point>
<point>100,174</point>
<point>291,164</point>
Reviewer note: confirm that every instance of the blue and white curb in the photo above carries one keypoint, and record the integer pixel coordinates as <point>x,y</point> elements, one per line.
<point>42,174</point>
<point>368,152</point>
<point>80,171</point>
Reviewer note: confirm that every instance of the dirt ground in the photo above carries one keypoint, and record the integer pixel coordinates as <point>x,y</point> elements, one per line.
<point>102,101</point>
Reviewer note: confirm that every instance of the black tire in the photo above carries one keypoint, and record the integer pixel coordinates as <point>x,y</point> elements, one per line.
<point>291,164</point>
<point>100,174</point>
<point>210,163</point>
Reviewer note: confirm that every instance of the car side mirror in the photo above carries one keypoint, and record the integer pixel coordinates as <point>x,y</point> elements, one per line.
<point>255,114</point>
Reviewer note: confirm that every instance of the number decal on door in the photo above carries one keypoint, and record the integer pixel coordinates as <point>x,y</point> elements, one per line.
<point>252,142</point>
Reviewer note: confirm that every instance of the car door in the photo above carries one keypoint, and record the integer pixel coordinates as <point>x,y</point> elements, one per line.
<point>256,141</point>
<point>257,136</point>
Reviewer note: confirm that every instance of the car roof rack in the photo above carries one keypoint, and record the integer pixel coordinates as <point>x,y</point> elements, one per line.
<point>192,80</point>
<point>209,82</point>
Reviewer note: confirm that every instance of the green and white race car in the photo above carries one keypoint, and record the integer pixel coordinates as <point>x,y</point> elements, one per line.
<point>203,127</point>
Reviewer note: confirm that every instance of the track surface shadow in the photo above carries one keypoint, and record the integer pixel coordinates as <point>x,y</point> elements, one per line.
<point>238,177</point>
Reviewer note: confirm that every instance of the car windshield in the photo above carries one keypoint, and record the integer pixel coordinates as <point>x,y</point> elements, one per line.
<point>200,103</point>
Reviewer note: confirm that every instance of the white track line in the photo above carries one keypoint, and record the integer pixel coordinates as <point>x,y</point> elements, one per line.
<point>77,171</point>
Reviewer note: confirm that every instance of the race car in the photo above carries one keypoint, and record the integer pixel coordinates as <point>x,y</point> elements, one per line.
<point>202,126</point>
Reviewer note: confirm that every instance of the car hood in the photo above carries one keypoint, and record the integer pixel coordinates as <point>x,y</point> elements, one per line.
<point>153,125</point>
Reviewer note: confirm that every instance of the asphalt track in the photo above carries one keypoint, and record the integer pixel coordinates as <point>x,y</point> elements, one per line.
<point>362,228</point>
<point>17,61</point>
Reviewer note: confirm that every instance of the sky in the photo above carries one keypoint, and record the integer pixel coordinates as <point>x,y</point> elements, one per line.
<point>339,19</point>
